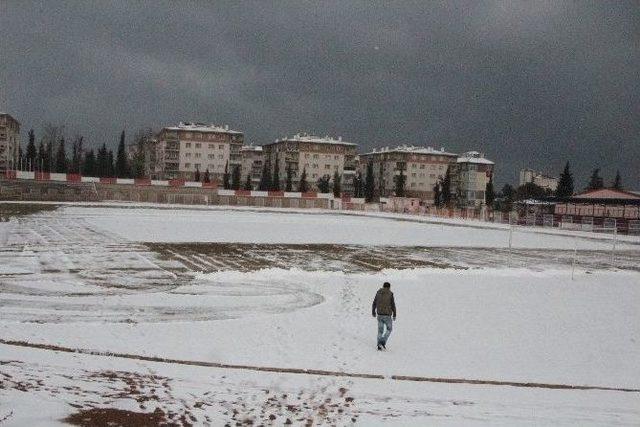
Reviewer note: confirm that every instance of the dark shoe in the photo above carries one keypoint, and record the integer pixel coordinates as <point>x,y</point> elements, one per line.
<point>384,346</point>
<point>379,347</point>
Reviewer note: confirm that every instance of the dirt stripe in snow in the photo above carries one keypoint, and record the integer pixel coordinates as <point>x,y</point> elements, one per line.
<point>320,372</point>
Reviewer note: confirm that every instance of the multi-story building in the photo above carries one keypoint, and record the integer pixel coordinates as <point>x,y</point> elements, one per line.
<point>319,156</point>
<point>539,179</point>
<point>183,149</point>
<point>252,158</point>
<point>421,166</point>
<point>470,174</point>
<point>9,142</point>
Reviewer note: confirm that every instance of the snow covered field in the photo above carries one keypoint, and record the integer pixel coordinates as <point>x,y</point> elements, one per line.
<point>88,278</point>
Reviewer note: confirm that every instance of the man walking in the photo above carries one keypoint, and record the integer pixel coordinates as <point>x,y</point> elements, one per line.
<point>385,306</point>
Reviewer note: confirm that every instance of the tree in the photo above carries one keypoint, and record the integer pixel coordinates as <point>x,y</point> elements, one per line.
<point>122,165</point>
<point>595,182</point>
<point>400,182</point>
<point>336,184</point>
<point>247,184</point>
<point>357,186</point>
<point>196,176</point>
<point>303,187</point>
<point>110,165</point>
<point>289,183</point>
<point>207,176</point>
<point>617,182</point>
<point>226,177</point>
<point>51,136</point>
<point>275,182</point>
<point>76,155</point>
<point>89,167</point>
<point>507,195</point>
<point>265,178</point>
<point>323,184</point>
<point>565,184</point>
<point>235,177</point>
<point>61,158</point>
<point>102,168</point>
<point>32,153</point>
<point>489,195</point>
<point>530,191</point>
<point>437,195</point>
<point>138,166</point>
<point>41,159</point>
<point>369,185</point>
<point>445,187</point>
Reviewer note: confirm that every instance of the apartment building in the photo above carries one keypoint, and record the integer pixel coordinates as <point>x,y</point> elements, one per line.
<point>252,159</point>
<point>317,155</point>
<point>470,174</point>
<point>422,167</point>
<point>183,149</point>
<point>539,179</point>
<point>9,142</point>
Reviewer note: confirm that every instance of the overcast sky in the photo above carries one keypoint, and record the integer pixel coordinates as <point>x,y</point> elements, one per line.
<point>530,84</point>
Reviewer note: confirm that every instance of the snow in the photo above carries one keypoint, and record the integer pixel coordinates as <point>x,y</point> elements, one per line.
<point>79,277</point>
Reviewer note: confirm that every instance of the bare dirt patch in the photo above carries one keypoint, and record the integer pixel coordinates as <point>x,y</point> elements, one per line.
<point>9,210</point>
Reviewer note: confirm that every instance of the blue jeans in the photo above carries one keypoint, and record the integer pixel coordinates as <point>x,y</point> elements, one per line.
<point>384,322</point>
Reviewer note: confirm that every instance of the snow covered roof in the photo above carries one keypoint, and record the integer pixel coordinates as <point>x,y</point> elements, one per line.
<point>251,148</point>
<point>315,139</point>
<point>474,157</point>
<point>411,149</point>
<point>202,127</point>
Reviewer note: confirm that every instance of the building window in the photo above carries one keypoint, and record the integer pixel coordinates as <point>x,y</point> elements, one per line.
<point>221,146</point>
<point>413,165</point>
<point>422,166</point>
<point>211,156</point>
<point>220,156</point>
<point>315,156</point>
<point>315,175</point>
<point>327,167</point>
<point>413,175</point>
<point>197,165</point>
<point>211,146</point>
<point>187,155</point>
<point>413,184</point>
<point>198,145</point>
<point>188,144</point>
<point>187,165</point>
<point>198,155</point>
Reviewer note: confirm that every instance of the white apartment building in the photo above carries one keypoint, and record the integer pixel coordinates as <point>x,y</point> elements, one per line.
<point>470,174</point>
<point>539,179</point>
<point>317,155</point>
<point>252,158</point>
<point>187,147</point>
<point>422,167</point>
<point>9,142</point>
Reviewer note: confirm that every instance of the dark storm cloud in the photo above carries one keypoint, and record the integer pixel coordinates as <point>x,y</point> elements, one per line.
<point>530,84</point>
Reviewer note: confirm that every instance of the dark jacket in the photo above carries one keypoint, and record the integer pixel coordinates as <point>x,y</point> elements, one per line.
<point>383,303</point>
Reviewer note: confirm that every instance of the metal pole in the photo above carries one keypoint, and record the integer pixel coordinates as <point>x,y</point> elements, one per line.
<point>575,254</point>
<point>613,249</point>
<point>510,239</point>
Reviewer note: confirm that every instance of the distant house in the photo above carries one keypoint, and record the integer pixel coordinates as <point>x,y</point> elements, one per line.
<point>602,203</point>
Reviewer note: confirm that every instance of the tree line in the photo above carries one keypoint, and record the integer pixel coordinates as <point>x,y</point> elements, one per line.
<point>53,155</point>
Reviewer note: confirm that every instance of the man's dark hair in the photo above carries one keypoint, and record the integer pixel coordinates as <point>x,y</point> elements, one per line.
<point>386,285</point>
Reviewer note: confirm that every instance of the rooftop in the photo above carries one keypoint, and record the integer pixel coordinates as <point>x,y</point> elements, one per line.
<point>305,137</point>
<point>412,149</point>
<point>202,127</point>
<point>474,157</point>
<point>251,148</point>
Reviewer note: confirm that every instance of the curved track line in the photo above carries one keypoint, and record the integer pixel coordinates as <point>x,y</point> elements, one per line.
<point>320,372</point>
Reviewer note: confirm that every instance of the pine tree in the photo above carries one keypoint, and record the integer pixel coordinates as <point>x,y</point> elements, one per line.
<point>289,183</point>
<point>101,168</point>
<point>275,182</point>
<point>61,158</point>
<point>400,182</point>
<point>369,185</point>
<point>265,179</point>
<point>565,184</point>
<point>89,166</point>
<point>122,165</point>
<point>235,178</point>
<point>247,183</point>
<point>323,184</point>
<point>110,165</point>
<point>508,196</point>
<point>226,178</point>
<point>40,160</point>
<point>357,186</point>
<point>445,187</point>
<point>48,160</point>
<point>75,160</point>
<point>595,182</point>
<point>437,195</point>
<point>489,195</point>
<point>303,187</point>
<point>138,164</point>
<point>617,182</point>
<point>31,155</point>
<point>336,184</point>
<point>207,176</point>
